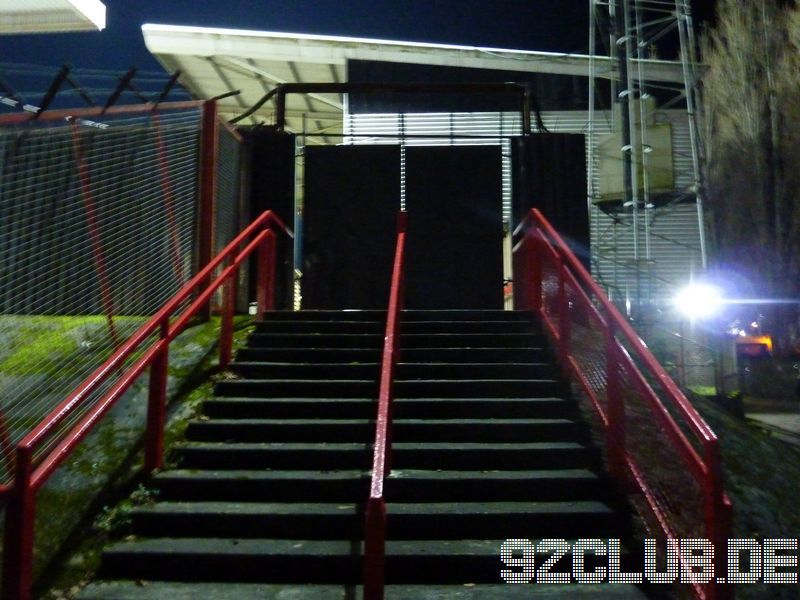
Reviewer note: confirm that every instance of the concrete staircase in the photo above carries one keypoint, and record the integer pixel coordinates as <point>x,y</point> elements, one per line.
<point>267,500</point>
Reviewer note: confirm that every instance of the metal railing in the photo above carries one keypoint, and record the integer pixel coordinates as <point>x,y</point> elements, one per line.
<point>657,444</point>
<point>375,518</point>
<point>147,347</point>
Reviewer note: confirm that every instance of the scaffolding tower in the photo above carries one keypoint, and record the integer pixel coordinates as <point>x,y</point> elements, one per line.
<point>634,34</point>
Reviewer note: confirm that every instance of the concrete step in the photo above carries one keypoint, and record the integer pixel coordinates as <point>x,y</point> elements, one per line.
<point>405,370</point>
<point>324,315</point>
<point>315,456</point>
<point>475,370</point>
<point>311,355</point>
<point>484,388</point>
<point>471,340</point>
<point>262,486</point>
<point>404,485</point>
<point>298,370</point>
<point>315,340</point>
<point>532,354</point>
<point>322,326</point>
<point>467,315</point>
<point>282,430</point>
<point>406,430</point>
<point>168,590</point>
<point>241,560</point>
<point>445,486</point>
<point>321,521</point>
<point>470,326</point>
<point>285,520</point>
<point>303,388</point>
<point>290,408</point>
<point>404,408</point>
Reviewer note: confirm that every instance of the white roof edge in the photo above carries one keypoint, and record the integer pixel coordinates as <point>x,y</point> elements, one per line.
<point>177,40</point>
<point>94,10</point>
<point>340,39</point>
<point>51,16</point>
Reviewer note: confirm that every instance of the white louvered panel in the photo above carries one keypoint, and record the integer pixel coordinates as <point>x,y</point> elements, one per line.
<point>444,129</point>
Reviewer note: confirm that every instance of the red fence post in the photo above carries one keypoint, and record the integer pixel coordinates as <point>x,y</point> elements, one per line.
<point>95,240</point>
<point>533,291</point>
<point>374,549</point>
<point>616,406</point>
<point>156,404</point>
<point>265,296</point>
<point>564,329</point>
<point>226,326</point>
<point>209,144</point>
<point>717,519</point>
<point>19,531</point>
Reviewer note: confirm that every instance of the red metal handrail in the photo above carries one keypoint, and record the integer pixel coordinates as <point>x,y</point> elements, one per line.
<point>542,244</point>
<point>375,518</point>
<point>30,475</point>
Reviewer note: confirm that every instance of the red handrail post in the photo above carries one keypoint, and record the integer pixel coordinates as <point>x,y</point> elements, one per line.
<point>156,404</point>
<point>209,145</point>
<point>19,530</point>
<point>226,326</point>
<point>534,291</point>
<point>564,330</point>
<point>616,407</point>
<point>374,549</point>
<point>265,295</point>
<point>717,518</point>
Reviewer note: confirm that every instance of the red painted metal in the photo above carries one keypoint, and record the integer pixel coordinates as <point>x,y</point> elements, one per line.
<point>587,299</point>
<point>226,325</point>
<point>18,535</point>
<point>95,112</point>
<point>94,233</point>
<point>156,403</point>
<point>31,475</point>
<point>209,150</point>
<point>375,520</point>
<point>265,296</point>
<point>6,449</point>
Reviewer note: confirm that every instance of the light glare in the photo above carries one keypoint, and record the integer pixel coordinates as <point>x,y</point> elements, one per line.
<point>698,301</point>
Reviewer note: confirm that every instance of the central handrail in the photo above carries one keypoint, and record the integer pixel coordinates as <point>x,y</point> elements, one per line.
<point>375,518</point>
<point>30,474</point>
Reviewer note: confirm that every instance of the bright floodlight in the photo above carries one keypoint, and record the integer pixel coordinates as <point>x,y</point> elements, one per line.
<point>698,301</point>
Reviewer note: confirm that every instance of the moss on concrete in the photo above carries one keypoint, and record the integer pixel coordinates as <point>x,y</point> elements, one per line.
<point>106,466</point>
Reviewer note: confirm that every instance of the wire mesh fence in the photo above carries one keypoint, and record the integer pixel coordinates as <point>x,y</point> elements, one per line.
<point>97,230</point>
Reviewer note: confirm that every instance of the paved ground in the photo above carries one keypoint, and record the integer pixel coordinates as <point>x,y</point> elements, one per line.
<point>779,416</point>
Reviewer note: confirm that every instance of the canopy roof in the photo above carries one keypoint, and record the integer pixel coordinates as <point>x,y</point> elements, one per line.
<point>50,16</point>
<point>216,61</point>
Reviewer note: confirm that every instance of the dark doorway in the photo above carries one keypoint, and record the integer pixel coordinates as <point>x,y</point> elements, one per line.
<point>455,227</point>
<point>352,195</point>
<point>550,174</point>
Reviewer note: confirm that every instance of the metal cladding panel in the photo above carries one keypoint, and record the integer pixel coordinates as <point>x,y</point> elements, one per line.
<point>352,195</point>
<point>681,147</point>
<point>674,251</point>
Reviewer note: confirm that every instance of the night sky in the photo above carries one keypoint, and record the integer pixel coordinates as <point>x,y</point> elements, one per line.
<point>551,25</point>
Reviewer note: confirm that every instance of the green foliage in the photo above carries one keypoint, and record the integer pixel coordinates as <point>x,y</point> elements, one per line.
<point>116,520</point>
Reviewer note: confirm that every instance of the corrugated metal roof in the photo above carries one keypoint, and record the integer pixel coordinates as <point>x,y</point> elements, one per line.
<point>50,16</point>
